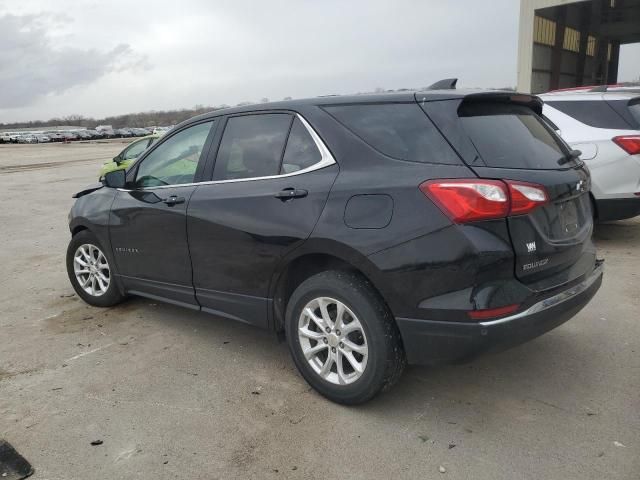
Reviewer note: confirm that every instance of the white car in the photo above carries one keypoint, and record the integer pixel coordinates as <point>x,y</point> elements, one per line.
<point>27,139</point>
<point>605,127</point>
<point>160,130</point>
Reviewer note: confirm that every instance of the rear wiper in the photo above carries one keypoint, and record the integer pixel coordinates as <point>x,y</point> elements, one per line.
<point>573,154</point>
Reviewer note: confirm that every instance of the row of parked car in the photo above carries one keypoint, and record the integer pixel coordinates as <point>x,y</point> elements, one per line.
<point>66,136</point>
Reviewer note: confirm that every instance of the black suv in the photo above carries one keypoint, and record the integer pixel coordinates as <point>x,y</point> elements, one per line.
<point>372,230</point>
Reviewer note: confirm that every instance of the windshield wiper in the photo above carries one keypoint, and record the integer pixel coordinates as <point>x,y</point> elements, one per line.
<point>573,155</point>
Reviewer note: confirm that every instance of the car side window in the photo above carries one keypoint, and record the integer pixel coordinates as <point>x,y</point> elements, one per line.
<point>133,151</point>
<point>398,130</point>
<point>175,160</point>
<point>252,146</point>
<point>594,113</point>
<point>301,151</point>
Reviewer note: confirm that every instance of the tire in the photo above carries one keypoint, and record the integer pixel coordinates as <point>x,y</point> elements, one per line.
<point>368,327</point>
<point>106,293</point>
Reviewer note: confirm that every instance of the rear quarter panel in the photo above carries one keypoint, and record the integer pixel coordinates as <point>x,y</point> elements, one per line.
<point>419,253</point>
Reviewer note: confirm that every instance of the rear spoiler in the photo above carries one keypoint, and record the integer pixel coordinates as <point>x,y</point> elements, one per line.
<point>494,96</point>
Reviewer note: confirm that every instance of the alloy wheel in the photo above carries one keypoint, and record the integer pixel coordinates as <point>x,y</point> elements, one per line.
<point>91,270</point>
<point>333,340</point>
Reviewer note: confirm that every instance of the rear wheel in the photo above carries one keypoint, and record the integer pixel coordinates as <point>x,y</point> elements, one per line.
<point>343,338</point>
<point>90,273</point>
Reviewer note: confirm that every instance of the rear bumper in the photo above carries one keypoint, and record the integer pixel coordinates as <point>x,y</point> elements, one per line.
<point>429,342</point>
<point>617,208</point>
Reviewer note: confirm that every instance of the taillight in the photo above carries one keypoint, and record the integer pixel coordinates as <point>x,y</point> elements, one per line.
<point>470,200</point>
<point>629,143</point>
<point>525,197</point>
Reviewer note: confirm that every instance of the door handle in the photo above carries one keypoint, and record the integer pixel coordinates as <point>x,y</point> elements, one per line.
<point>289,193</point>
<point>173,200</point>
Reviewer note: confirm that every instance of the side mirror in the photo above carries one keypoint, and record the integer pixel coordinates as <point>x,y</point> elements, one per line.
<point>115,179</point>
<point>117,159</point>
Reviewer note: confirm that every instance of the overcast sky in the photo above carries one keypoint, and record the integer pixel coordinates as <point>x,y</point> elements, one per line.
<point>98,58</point>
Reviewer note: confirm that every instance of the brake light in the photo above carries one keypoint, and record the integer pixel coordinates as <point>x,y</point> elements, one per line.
<point>470,200</point>
<point>629,143</point>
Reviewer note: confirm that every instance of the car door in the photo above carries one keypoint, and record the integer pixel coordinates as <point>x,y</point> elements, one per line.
<point>270,182</point>
<point>148,219</point>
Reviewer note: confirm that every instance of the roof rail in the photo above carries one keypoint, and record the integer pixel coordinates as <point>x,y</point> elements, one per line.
<point>446,84</point>
<point>588,88</point>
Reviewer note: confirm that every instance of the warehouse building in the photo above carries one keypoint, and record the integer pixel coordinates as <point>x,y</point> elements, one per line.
<point>565,43</point>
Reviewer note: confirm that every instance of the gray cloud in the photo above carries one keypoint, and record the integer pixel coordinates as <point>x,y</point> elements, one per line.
<point>35,66</point>
<point>228,51</point>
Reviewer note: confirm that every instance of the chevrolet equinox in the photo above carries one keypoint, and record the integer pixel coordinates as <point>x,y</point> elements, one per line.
<point>371,230</point>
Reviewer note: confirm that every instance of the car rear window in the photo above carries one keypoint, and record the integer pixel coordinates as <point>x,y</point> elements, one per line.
<point>398,130</point>
<point>511,136</point>
<point>634,108</point>
<point>595,113</point>
<point>629,110</point>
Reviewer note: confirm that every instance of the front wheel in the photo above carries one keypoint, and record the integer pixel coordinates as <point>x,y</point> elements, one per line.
<point>343,338</point>
<point>90,273</point>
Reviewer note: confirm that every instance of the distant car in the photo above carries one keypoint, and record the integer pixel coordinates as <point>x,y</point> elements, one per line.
<point>66,136</point>
<point>55,137</point>
<point>83,135</point>
<point>128,155</point>
<point>122,132</point>
<point>94,133</point>
<point>27,139</point>
<point>42,138</point>
<point>141,132</point>
<point>605,127</point>
<point>160,130</point>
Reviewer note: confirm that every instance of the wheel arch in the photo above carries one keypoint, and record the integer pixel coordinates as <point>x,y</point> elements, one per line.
<point>312,258</point>
<point>77,229</point>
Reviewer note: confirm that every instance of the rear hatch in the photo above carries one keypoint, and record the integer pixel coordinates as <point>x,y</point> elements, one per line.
<point>502,136</point>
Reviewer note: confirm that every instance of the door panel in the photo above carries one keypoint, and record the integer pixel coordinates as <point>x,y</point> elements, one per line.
<point>148,223</point>
<point>149,242</point>
<point>238,231</point>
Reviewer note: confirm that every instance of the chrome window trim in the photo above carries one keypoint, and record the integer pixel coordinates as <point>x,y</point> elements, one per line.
<point>326,159</point>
